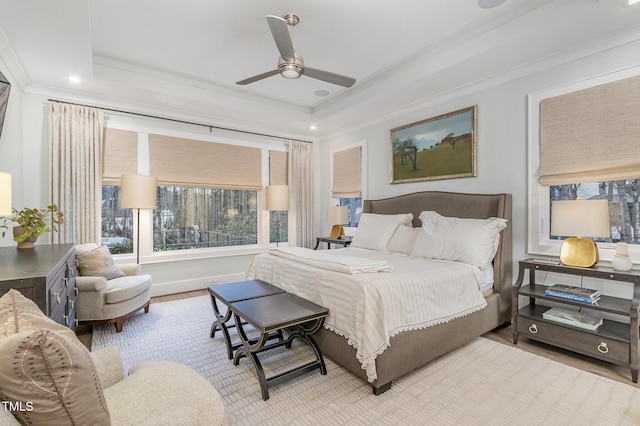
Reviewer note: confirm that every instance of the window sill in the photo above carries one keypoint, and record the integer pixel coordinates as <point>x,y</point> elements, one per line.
<point>192,254</point>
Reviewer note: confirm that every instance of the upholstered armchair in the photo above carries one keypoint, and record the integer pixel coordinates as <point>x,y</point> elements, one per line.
<point>48,377</point>
<point>108,293</point>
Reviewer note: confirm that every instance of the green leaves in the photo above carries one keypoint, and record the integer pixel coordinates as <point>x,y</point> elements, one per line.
<point>35,222</point>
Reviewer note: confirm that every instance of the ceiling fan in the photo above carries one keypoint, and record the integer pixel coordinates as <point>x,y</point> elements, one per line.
<point>290,64</point>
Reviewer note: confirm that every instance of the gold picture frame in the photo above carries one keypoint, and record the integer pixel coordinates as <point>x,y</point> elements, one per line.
<point>442,147</point>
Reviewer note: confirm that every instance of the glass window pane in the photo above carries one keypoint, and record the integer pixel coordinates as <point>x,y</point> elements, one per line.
<point>189,217</point>
<point>355,209</point>
<point>624,205</point>
<point>117,223</point>
<point>278,226</point>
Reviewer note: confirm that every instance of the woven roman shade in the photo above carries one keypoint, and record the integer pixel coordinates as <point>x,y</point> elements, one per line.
<point>188,162</point>
<point>591,135</point>
<point>278,169</point>
<point>347,173</point>
<point>119,155</point>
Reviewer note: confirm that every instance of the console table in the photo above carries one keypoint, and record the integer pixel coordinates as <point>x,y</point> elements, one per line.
<point>615,341</point>
<point>45,274</point>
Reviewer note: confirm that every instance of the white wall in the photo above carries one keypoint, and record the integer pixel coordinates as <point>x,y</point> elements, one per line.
<point>502,138</point>
<point>11,150</point>
<point>502,157</point>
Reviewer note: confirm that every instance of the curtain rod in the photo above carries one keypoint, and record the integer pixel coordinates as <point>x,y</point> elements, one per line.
<point>210,126</point>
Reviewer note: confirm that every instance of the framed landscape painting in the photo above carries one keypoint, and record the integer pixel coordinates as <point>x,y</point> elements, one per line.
<point>442,147</point>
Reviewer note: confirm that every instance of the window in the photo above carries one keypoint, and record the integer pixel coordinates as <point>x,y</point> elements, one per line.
<point>189,218</point>
<point>208,193</point>
<point>348,175</point>
<point>278,175</point>
<point>624,205</point>
<point>117,223</point>
<point>583,143</point>
<point>355,209</point>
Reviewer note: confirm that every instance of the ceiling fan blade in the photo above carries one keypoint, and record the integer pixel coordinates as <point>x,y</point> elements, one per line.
<point>329,77</point>
<point>280,32</point>
<point>257,77</point>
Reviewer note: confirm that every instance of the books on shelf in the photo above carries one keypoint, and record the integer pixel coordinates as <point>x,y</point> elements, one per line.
<point>574,318</point>
<point>577,294</point>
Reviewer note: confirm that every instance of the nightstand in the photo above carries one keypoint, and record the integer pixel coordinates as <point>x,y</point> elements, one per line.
<point>340,241</point>
<point>617,342</point>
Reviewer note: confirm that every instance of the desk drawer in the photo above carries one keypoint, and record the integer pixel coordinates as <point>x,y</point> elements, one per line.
<point>574,339</point>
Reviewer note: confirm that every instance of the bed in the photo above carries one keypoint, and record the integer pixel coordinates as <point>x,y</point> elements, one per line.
<point>404,338</point>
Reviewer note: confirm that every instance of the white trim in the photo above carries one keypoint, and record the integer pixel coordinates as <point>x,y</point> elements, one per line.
<point>364,160</point>
<point>173,287</point>
<point>363,166</point>
<point>538,241</point>
<point>147,255</point>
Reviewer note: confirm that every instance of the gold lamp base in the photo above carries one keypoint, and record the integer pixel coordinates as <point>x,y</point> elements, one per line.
<point>582,252</point>
<point>337,231</point>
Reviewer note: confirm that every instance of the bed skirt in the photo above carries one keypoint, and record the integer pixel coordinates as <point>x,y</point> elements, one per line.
<point>412,349</point>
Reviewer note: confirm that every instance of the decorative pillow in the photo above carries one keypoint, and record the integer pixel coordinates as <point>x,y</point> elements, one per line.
<point>98,263</point>
<point>17,314</point>
<point>403,239</point>
<point>51,379</point>
<point>473,241</point>
<point>375,230</point>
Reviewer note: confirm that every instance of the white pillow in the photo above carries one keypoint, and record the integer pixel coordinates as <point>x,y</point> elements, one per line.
<point>473,241</point>
<point>403,239</point>
<point>375,230</point>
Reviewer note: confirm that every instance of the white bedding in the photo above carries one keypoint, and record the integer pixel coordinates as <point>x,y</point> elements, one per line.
<point>369,308</point>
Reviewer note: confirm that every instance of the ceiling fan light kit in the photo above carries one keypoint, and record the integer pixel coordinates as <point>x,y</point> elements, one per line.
<point>291,70</point>
<point>290,64</point>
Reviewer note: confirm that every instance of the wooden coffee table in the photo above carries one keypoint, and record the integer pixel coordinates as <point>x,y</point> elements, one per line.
<point>235,292</point>
<point>274,313</point>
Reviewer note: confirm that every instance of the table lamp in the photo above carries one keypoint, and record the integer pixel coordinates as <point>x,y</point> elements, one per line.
<point>337,216</point>
<point>278,200</point>
<point>5,194</point>
<point>577,219</point>
<point>138,192</point>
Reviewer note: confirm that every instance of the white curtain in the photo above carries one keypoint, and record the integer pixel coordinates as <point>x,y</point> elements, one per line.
<point>75,167</point>
<point>301,193</point>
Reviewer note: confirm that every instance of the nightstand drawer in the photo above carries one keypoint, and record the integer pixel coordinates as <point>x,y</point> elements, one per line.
<point>574,339</point>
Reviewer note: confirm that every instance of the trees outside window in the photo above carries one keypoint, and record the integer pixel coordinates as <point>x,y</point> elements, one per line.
<point>185,218</point>
<point>624,205</point>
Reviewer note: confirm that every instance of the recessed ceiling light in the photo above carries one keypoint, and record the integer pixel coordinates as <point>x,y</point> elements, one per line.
<point>489,4</point>
<point>74,79</point>
<point>312,127</point>
<point>321,93</point>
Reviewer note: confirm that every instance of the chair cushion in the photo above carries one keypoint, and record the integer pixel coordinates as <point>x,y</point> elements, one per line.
<point>98,263</point>
<point>125,288</point>
<point>187,399</point>
<point>45,365</point>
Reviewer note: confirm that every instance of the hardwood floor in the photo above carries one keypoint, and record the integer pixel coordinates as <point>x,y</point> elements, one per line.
<point>501,335</point>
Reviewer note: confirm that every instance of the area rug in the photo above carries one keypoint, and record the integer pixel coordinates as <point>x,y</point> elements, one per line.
<point>484,382</point>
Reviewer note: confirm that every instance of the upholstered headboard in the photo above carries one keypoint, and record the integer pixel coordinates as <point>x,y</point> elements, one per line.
<point>453,204</point>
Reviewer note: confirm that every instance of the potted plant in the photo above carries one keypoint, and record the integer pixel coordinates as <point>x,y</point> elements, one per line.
<point>31,223</point>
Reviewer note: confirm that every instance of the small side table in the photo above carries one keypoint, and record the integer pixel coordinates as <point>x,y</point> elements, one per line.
<point>340,241</point>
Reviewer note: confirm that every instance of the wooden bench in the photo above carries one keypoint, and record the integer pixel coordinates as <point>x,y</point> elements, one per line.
<point>269,310</point>
<point>236,292</point>
<point>271,314</point>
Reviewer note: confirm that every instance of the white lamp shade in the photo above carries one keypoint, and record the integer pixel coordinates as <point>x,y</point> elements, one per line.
<point>5,194</point>
<point>138,192</point>
<point>580,218</point>
<point>277,197</point>
<point>337,215</point>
